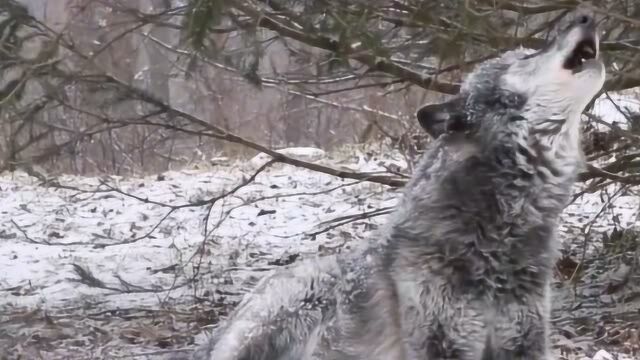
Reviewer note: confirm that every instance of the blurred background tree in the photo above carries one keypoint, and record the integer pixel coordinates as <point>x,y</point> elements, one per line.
<point>132,87</point>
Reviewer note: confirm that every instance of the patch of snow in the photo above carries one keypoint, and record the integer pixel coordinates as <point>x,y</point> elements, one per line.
<point>46,230</point>
<point>616,112</point>
<point>604,215</point>
<point>603,355</point>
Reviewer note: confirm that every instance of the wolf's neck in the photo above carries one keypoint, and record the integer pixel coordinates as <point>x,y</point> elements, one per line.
<point>553,162</point>
<point>562,151</point>
<point>559,139</point>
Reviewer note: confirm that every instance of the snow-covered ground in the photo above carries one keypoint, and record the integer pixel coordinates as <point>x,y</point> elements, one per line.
<point>143,251</point>
<point>138,243</point>
<point>109,226</point>
<point>615,108</point>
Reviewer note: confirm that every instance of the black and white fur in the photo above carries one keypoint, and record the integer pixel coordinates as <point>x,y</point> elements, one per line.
<point>462,269</point>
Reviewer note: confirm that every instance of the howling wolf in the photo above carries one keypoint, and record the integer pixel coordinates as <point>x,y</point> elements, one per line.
<point>463,267</point>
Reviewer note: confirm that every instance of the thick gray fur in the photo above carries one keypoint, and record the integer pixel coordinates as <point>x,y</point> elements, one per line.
<point>462,269</point>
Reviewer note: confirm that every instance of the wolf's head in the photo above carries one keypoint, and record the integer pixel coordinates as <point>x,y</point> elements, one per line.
<point>547,90</point>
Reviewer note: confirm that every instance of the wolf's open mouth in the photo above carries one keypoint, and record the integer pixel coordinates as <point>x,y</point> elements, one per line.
<point>585,50</point>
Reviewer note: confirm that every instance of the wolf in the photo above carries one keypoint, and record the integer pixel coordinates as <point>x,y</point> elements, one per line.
<point>462,269</point>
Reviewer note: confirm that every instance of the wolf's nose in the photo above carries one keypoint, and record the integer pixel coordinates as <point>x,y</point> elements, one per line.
<point>584,20</point>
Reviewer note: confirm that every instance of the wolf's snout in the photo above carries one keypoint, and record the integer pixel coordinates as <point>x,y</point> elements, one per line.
<point>585,47</point>
<point>585,20</point>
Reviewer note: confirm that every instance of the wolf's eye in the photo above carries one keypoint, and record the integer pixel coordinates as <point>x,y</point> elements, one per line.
<point>584,50</point>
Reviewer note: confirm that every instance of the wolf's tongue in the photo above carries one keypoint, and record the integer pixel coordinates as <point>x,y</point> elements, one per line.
<point>589,51</point>
<point>586,49</point>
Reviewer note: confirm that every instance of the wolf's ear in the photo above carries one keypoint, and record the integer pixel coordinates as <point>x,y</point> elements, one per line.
<point>436,119</point>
